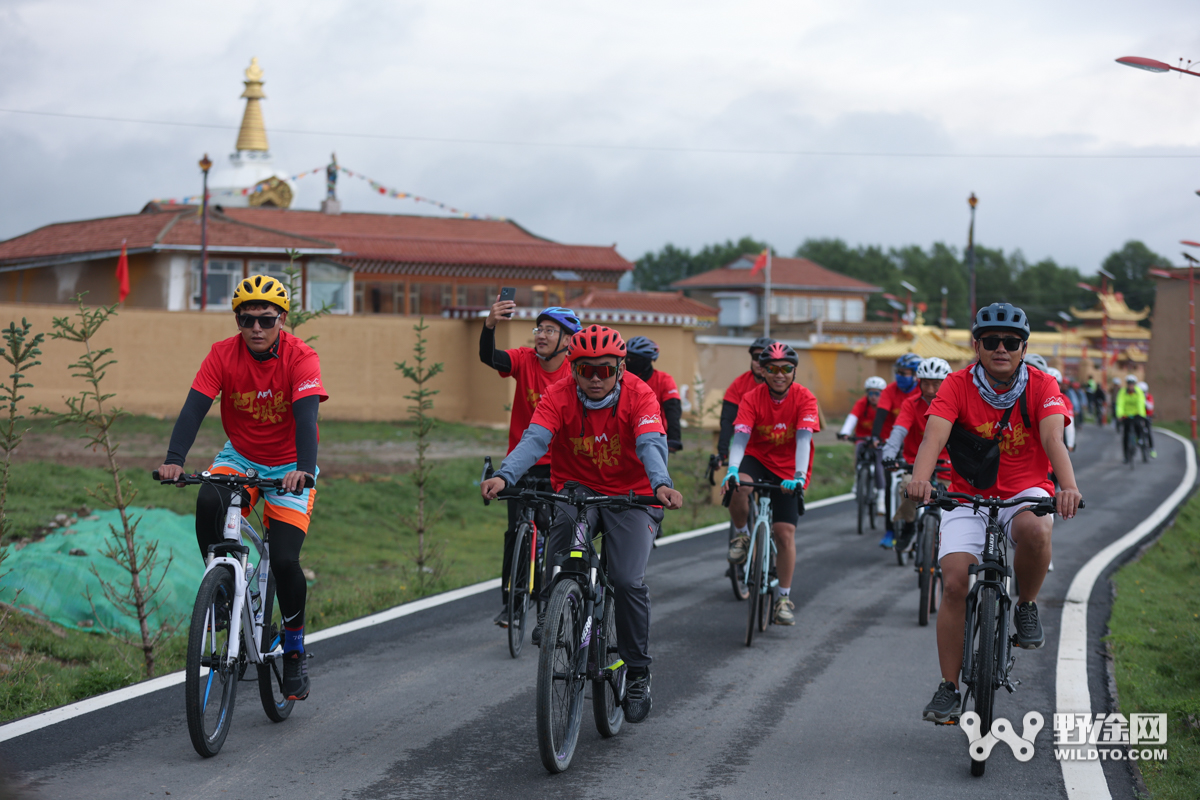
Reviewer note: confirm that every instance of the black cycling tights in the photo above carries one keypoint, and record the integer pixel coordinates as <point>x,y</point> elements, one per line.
<point>286,541</point>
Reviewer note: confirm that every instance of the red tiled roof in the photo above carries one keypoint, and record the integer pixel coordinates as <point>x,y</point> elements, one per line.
<point>786,273</point>
<point>147,232</point>
<point>406,226</point>
<point>651,302</point>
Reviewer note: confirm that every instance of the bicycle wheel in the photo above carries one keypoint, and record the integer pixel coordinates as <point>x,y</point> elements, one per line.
<point>1144,441</point>
<point>270,673</point>
<point>607,693</point>
<point>926,564</point>
<point>862,496</point>
<point>518,589</point>
<point>766,607</point>
<point>983,679</point>
<point>754,582</point>
<point>737,576</point>
<point>1130,440</point>
<point>210,684</point>
<point>560,682</point>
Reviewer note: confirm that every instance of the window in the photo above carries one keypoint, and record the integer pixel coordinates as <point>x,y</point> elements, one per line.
<point>855,311</point>
<point>222,280</point>
<point>428,299</point>
<point>329,286</point>
<point>835,308</point>
<point>817,306</point>
<point>800,310</point>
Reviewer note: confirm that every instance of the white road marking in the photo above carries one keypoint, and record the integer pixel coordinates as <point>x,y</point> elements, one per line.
<point>1085,779</point>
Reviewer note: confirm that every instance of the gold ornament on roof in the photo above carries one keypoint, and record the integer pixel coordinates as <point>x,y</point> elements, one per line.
<point>271,193</point>
<point>253,133</point>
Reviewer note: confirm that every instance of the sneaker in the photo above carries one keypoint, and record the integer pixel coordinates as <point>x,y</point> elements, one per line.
<point>783,611</point>
<point>295,675</point>
<point>1029,627</point>
<point>536,635</point>
<point>739,547</point>
<point>888,540</point>
<point>946,705</point>
<point>501,619</point>
<point>637,697</point>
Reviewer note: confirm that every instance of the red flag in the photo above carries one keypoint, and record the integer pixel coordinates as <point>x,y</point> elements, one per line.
<point>122,274</point>
<point>760,262</point>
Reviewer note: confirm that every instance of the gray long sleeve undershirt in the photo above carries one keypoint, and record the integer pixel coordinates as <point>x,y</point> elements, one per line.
<point>651,450</point>
<point>891,447</point>
<point>737,449</point>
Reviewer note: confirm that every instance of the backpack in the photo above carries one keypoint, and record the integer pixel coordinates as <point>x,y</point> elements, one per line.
<point>977,459</point>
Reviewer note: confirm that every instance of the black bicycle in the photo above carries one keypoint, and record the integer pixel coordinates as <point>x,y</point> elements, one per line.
<point>1134,438</point>
<point>579,637</point>
<point>987,645</point>
<point>866,491</point>
<point>928,542</point>
<point>234,621</point>
<point>528,563</point>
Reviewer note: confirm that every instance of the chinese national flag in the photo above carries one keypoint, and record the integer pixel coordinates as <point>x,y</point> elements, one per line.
<point>122,275</point>
<point>760,262</point>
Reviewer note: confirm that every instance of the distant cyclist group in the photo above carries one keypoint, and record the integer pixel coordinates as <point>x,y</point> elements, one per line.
<point>586,476</point>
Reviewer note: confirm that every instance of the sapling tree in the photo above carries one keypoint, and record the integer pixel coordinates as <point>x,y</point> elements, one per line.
<point>93,411</point>
<point>422,402</point>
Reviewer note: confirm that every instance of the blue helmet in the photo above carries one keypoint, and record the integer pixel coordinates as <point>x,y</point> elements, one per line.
<point>641,346</point>
<point>908,361</point>
<point>1001,317</point>
<point>565,317</point>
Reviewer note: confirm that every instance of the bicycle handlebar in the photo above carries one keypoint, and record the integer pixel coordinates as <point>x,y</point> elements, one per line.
<point>946,501</point>
<point>631,499</point>
<point>250,479</point>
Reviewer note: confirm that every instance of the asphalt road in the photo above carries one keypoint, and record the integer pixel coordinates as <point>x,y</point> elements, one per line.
<point>432,706</point>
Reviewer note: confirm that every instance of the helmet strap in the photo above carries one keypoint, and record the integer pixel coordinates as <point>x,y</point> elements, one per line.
<point>558,351</point>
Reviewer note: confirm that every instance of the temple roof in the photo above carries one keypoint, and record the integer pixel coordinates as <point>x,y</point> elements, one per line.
<point>1112,305</point>
<point>924,340</point>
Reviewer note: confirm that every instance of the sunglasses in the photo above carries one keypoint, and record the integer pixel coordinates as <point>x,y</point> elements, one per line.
<point>266,321</point>
<point>589,371</point>
<point>779,369</point>
<point>1011,343</point>
<point>873,393</point>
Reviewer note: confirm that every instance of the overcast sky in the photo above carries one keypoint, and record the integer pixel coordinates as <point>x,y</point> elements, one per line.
<point>596,123</point>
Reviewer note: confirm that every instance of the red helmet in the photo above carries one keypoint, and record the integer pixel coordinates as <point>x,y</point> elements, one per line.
<point>596,341</point>
<point>778,351</point>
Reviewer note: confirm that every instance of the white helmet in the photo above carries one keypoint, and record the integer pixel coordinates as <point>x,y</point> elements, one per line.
<point>933,369</point>
<point>875,382</point>
<point>1145,387</point>
<point>1035,360</point>
<point>1053,373</point>
<point>1131,378</point>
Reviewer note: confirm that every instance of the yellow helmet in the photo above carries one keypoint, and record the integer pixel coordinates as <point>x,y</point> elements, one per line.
<point>261,289</point>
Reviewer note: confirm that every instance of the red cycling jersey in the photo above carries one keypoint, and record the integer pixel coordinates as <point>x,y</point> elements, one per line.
<point>663,386</point>
<point>741,384</point>
<point>532,383</point>
<point>599,448</point>
<point>890,400</point>
<point>257,396</point>
<point>1023,463</point>
<point>866,418</point>
<point>913,418</point>
<point>772,426</point>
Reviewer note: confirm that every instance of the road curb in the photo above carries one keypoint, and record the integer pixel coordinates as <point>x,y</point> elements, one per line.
<point>1084,780</point>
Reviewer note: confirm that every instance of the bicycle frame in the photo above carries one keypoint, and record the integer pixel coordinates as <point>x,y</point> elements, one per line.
<point>992,570</point>
<point>762,526</point>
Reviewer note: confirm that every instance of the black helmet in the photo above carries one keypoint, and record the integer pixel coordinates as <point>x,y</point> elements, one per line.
<point>778,351</point>
<point>1001,316</point>
<point>761,343</point>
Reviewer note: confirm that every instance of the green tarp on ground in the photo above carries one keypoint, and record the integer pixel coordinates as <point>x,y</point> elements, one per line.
<point>54,583</point>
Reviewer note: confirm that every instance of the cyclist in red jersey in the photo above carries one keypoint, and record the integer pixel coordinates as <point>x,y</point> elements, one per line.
<point>733,395</point>
<point>983,401</point>
<point>1145,387</point>
<point>604,432</point>
<point>270,386</point>
<point>535,369</point>
<point>772,442</point>
<point>906,438</point>
<point>642,353</point>
<point>890,400</point>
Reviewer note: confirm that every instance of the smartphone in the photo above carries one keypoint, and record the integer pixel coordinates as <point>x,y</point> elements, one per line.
<point>508,293</point>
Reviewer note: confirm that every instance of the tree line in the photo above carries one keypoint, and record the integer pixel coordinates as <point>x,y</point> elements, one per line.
<point>1043,288</point>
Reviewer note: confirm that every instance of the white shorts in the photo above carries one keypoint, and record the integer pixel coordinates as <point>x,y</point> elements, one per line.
<point>964,531</point>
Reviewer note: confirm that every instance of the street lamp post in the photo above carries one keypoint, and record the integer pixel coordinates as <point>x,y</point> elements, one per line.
<point>972,201</point>
<point>205,166</point>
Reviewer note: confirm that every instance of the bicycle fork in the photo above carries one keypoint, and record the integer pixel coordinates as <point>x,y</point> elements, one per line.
<point>239,634</point>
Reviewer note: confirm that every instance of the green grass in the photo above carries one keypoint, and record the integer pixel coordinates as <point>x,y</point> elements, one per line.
<point>1155,639</point>
<point>358,547</point>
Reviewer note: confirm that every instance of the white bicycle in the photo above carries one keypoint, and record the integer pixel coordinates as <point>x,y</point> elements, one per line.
<point>234,621</point>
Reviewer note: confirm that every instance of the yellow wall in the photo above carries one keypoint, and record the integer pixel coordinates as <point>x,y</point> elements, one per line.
<point>158,353</point>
